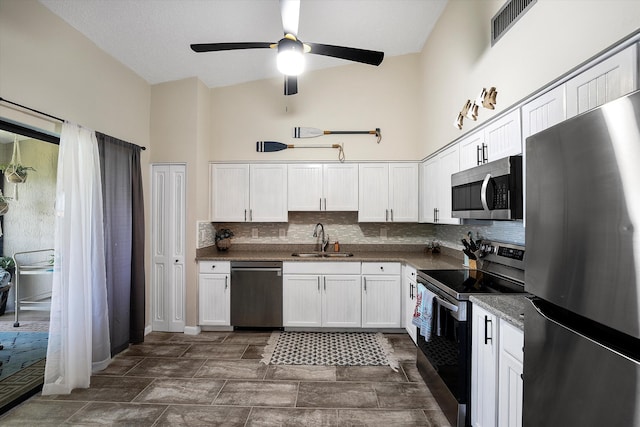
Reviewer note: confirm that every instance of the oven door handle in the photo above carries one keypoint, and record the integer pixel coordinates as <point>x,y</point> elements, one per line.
<point>483,192</point>
<point>446,304</point>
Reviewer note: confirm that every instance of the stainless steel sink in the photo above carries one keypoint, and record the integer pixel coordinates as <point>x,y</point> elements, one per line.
<point>322,255</point>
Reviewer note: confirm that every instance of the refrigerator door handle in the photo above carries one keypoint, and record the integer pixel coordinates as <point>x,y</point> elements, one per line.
<point>540,311</point>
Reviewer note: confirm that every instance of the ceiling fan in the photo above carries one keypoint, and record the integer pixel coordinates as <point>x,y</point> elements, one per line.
<point>291,50</point>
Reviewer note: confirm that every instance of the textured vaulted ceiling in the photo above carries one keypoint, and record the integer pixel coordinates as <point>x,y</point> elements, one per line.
<point>152,37</point>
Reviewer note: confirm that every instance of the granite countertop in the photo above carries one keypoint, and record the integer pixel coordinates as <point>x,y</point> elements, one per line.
<point>507,307</point>
<point>410,254</point>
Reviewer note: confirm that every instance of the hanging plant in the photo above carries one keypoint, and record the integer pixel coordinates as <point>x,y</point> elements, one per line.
<point>15,171</point>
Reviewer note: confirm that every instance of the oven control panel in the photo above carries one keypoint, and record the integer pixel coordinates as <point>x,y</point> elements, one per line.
<point>503,253</point>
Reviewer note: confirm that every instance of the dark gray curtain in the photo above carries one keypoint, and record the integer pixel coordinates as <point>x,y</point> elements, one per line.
<point>124,240</point>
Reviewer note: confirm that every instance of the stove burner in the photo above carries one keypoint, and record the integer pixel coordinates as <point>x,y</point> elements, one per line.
<point>467,282</point>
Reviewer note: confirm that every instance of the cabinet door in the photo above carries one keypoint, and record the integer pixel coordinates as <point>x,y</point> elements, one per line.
<point>428,190</point>
<point>214,300</point>
<point>403,192</point>
<point>604,82</point>
<point>341,301</point>
<point>268,200</point>
<point>448,164</point>
<point>510,377</point>
<point>340,187</point>
<point>504,137</point>
<point>484,363</point>
<point>304,187</point>
<point>373,203</point>
<point>301,300</point>
<point>229,192</point>
<point>409,288</point>
<point>472,149</point>
<point>381,301</point>
<point>543,112</point>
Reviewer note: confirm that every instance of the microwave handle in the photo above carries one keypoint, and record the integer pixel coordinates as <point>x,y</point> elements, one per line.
<point>483,192</point>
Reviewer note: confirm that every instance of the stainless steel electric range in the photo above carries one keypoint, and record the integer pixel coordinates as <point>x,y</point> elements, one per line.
<point>444,361</point>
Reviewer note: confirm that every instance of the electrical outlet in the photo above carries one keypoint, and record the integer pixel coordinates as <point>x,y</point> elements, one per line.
<point>282,233</point>
<point>383,233</point>
<point>254,233</point>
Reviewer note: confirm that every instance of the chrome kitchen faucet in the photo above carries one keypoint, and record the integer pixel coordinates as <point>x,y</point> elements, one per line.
<point>324,242</point>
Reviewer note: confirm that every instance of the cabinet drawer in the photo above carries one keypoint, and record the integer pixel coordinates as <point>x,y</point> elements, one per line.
<point>512,340</point>
<point>320,267</point>
<point>381,268</point>
<point>214,267</point>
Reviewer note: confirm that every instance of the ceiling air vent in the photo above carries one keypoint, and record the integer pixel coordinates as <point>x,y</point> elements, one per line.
<point>507,16</point>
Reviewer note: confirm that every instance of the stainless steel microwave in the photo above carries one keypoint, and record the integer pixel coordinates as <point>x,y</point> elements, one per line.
<point>490,191</point>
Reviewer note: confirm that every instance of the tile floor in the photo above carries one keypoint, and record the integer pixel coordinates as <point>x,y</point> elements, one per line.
<point>216,379</point>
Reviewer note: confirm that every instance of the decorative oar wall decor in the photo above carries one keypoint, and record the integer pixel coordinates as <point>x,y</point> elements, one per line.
<point>269,146</point>
<point>300,132</point>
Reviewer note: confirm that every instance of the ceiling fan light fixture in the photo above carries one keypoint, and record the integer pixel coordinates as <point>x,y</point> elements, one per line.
<point>290,58</point>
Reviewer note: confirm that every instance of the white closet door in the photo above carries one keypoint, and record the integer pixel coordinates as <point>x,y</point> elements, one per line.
<point>167,241</point>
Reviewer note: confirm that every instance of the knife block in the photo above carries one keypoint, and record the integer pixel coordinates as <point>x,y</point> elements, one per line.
<point>473,265</point>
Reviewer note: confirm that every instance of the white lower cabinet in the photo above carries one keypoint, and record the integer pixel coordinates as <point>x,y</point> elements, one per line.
<point>214,296</point>
<point>381,295</point>
<point>510,383</point>
<point>312,299</point>
<point>496,371</point>
<point>484,365</point>
<point>409,289</point>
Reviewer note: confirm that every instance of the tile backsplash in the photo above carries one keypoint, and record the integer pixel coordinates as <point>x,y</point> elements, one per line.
<point>344,227</point>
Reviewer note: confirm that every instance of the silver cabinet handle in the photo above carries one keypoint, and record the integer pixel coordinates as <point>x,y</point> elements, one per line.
<point>325,283</point>
<point>479,149</point>
<point>320,203</point>
<point>325,203</point>
<point>485,153</point>
<point>318,283</point>
<point>391,215</point>
<point>483,192</point>
<point>251,215</point>
<point>386,214</point>
<point>365,283</point>
<point>487,338</point>
<point>226,282</point>
<point>245,215</point>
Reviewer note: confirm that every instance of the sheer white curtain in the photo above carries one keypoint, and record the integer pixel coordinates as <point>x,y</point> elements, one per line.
<point>79,328</point>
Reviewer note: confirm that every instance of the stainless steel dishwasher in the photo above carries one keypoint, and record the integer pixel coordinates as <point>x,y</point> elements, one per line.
<point>256,294</point>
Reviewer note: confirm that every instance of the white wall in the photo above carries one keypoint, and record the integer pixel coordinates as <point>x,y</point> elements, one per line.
<point>553,37</point>
<point>350,97</point>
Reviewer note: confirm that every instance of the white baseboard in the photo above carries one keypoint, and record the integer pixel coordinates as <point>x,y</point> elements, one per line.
<point>192,330</point>
<point>148,330</point>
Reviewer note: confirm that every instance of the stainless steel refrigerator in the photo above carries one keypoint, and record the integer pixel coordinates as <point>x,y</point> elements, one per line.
<point>582,341</point>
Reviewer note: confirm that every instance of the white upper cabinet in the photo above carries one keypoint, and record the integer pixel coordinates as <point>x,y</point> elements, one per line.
<point>543,112</point>
<point>328,187</point>
<point>435,186</point>
<point>604,82</point>
<point>248,193</point>
<point>499,139</point>
<point>388,192</point>
<point>472,150</point>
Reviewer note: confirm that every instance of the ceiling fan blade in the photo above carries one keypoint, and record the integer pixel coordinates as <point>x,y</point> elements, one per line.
<point>290,12</point>
<point>214,47</point>
<point>290,85</point>
<point>371,57</point>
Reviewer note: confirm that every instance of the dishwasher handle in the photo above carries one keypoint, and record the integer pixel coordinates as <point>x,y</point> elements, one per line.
<point>256,269</point>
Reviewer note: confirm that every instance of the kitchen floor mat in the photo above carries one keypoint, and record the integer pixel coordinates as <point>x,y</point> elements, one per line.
<point>329,348</point>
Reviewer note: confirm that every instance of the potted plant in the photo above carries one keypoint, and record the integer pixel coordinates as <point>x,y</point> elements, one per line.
<point>16,173</point>
<point>4,203</point>
<point>8,264</point>
<point>223,239</point>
